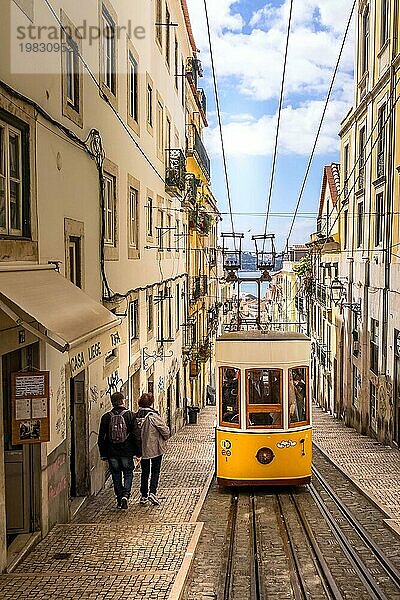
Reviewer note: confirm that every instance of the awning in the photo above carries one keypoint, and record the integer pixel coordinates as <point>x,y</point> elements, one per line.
<point>51,307</point>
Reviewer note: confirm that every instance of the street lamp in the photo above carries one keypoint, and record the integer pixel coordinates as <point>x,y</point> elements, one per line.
<point>338,297</point>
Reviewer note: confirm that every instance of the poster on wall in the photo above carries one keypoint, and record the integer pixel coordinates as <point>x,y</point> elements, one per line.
<point>30,397</point>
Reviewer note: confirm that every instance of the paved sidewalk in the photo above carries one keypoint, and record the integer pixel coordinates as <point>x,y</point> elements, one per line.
<point>144,552</point>
<point>373,467</point>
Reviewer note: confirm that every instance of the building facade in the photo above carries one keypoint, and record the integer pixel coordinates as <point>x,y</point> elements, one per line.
<point>369,227</point>
<point>93,236</point>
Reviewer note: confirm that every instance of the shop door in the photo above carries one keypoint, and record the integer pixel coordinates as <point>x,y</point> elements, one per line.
<point>169,394</point>
<point>396,389</point>
<point>18,460</point>
<point>79,464</point>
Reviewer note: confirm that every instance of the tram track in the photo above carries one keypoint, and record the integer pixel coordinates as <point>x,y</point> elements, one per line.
<point>380,577</point>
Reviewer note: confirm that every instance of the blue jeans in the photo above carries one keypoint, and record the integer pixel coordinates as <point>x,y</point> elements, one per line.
<point>155,475</point>
<point>121,465</point>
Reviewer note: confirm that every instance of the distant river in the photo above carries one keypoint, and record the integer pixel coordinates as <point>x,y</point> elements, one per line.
<point>249,287</point>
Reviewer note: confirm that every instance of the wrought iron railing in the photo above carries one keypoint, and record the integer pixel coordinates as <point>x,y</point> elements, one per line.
<point>175,171</point>
<point>197,149</point>
<point>203,100</point>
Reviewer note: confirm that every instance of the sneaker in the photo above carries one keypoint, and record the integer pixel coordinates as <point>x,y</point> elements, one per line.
<point>124,503</point>
<point>143,500</point>
<point>154,500</point>
<point>118,503</point>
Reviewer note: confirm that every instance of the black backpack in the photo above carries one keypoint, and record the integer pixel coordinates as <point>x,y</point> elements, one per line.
<point>117,429</point>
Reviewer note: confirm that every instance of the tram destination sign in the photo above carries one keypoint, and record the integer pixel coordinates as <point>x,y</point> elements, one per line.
<point>30,401</point>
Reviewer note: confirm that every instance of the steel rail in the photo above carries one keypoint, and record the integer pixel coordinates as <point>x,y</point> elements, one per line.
<point>324,572</point>
<point>257,589</point>
<point>299,589</point>
<point>392,571</point>
<point>353,557</point>
<point>232,520</point>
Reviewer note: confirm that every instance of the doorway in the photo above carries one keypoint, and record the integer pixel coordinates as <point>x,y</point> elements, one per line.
<point>79,451</point>
<point>396,388</point>
<point>21,462</point>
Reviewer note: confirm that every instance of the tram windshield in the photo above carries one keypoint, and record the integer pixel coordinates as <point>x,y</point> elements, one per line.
<point>298,395</point>
<point>230,396</point>
<point>264,398</point>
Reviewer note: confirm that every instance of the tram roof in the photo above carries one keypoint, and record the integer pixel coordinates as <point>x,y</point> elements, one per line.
<point>263,336</point>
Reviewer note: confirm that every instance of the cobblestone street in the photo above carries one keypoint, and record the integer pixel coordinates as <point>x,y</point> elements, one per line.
<point>107,553</point>
<point>146,552</point>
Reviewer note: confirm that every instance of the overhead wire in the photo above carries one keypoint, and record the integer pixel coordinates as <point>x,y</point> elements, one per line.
<point>218,107</point>
<point>275,152</point>
<point>311,158</point>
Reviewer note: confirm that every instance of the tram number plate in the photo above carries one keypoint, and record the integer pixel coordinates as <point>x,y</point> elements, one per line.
<point>226,446</point>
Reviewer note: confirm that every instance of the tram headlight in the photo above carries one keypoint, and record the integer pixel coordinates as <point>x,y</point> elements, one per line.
<point>265,456</point>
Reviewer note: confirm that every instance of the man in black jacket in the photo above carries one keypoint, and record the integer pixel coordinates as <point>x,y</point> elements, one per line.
<point>119,441</point>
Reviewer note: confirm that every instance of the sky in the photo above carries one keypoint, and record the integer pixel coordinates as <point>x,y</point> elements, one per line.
<point>248,40</point>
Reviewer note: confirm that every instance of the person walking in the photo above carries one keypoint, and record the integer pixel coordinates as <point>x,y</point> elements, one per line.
<point>119,441</point>
<point>155,434</point>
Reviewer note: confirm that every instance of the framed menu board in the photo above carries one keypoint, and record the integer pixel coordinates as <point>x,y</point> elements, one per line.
<point>30,396</point>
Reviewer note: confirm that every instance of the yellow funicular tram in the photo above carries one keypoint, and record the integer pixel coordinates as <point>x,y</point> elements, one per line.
<point>263,432</point>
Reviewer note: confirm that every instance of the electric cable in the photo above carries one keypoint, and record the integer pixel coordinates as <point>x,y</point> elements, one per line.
<point>320,127</point>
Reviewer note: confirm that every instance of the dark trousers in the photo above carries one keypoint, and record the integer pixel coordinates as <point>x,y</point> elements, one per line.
<point>121,469</point>
<point>155,464</point>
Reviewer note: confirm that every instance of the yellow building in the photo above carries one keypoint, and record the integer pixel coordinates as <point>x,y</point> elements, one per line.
<point>92,184</point>
<point>369,227</point>
<point>203,216</point>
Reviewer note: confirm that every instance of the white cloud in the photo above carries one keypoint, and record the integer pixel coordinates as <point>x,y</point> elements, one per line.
<point>255,137</point>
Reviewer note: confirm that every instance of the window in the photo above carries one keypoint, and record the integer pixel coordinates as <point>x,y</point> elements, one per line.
<point>373,405</point>
<point>298,396</point>
<point>72,73</point>
<point>346,172</point>
<point>356,386</point>
<point>160,129</point>
<point>12,209</point>
<point>168,133</point>
<point>149,217</point>
<point>229,381</point>
<point>183,84</point>
<point>168,35</point>
<point>178,306</point>
<point>365,41</point>
<point>109,209</point>
<point>361,158</point>
<point>133,219</point>
<point>177,235</point>
<point>264,398</point>
<point>161,327</point>
<point>169,315</point>
<point>384,21</point>
<point>345,228</point>
<point>161,230</point>
<point>74,260</point>
<point>169,233</point>
<point>150,310</point>
<point>109,52</point>
<point>176,62</point>
<point>379,219</point>
<point>134,321</point>
<point>374,346</point>
<point>380,166</point>
<point>149,105</point>
<point>360,224</point>
<point>133,88</point>
<point>159,20</point>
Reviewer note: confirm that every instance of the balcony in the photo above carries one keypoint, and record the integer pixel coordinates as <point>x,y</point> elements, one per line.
<point>200,221</point>
<point>197,149</point>
<point>321,292</point>
<point>380,165</point>
<point>203,100</point>
<point>175,172</point>
<point>194,70</point>
<point>196,289</point>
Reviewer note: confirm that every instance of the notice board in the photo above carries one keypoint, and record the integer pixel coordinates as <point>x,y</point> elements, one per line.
<point>30,397</point>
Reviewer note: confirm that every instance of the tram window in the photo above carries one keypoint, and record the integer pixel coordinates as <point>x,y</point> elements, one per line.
<point>230,396</point>
<point>264,398</point>
<point>298,395</point>
<point>265,419</point>
<point>264,386</point>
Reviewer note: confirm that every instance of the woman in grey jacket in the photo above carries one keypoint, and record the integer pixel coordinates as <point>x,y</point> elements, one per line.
<point>155,434</point>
